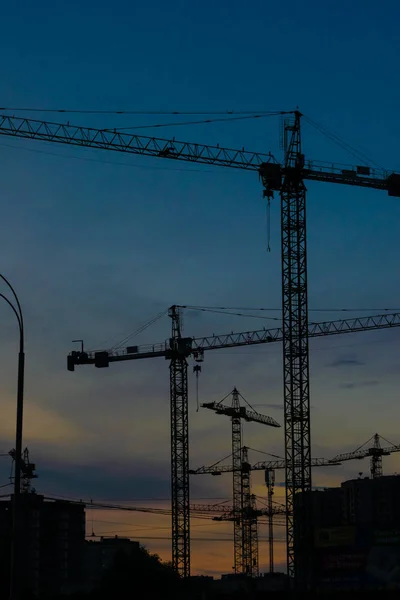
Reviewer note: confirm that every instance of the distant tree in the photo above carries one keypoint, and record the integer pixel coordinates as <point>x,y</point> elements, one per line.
<point>138,572</point>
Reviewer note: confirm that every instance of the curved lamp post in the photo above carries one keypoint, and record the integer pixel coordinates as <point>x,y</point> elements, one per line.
<point>16,522</point>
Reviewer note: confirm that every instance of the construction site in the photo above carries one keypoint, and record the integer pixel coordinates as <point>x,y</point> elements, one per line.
<point>338,537</point>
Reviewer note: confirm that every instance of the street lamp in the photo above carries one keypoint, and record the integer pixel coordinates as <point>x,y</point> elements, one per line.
<point>16,522</point>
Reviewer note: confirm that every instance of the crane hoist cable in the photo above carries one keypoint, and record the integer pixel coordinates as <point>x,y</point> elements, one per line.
<point>146,112</point>
<point>387,441</point>
<point>266,453</point>
<point>343,144</point>
<point>224,398</point>
<point>223,308</point>
<point>183,123</point>
<point>142,328</point>
<point>225,312</point>
<point>246,401</point>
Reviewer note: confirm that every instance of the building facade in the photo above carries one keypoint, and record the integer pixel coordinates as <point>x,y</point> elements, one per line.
<point>356,534</point>
<point>53,544</point>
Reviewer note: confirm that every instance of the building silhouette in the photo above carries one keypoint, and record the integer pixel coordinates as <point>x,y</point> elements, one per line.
<point>53,544</point>
<point>99,556</point>
<point>355,540</point>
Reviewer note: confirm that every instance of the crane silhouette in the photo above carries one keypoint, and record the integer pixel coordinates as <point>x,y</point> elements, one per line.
<point>245,532</point>
<point>375,452</point>
<point>288,178</point>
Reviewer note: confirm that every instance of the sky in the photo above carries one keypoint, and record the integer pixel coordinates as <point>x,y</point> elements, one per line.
<point>96,244</point>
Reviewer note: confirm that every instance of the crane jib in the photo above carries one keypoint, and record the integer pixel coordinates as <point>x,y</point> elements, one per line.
<point>272,175</point>
<point>270,170</point>
<point>196,346</point>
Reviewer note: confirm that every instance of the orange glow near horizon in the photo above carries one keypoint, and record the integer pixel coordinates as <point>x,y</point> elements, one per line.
<point>211,542</point>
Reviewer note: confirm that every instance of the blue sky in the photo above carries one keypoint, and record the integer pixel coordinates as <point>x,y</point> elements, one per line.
<point>97,243</point>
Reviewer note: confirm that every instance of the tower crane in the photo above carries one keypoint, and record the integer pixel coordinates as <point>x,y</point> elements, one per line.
<point>177,350</point>
<point>375,452</point>
<point>269,467</point>
<point>288,179</point>
<point>244,527</point>
<point>27,471</point>
<point>247,519</point>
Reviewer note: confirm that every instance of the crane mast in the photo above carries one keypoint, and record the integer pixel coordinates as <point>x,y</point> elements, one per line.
<point>376,458</point>
<point>295,342</point>
<point>179,449</point>
<point>237,484</point>
<point>296,390</point>
<point>250,566</point>
<point>270,483</point>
